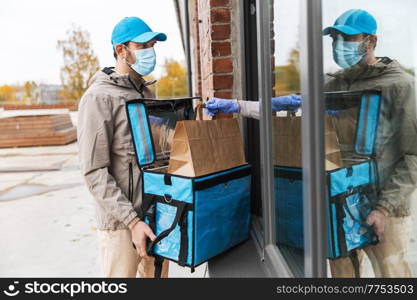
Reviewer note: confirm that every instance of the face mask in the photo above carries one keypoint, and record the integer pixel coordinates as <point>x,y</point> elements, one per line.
<point>145,61</point>
<point>348,54</point>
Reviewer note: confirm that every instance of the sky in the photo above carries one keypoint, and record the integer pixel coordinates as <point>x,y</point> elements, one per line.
<point>396,20</point>
<point>30,29</point>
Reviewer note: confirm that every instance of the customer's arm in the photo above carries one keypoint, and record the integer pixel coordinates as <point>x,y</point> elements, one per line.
<point>250,109</point>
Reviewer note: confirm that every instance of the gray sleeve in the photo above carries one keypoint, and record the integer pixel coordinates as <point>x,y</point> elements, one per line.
<point>403,181</point>
<point>95,135</point>
<point>249,109</point>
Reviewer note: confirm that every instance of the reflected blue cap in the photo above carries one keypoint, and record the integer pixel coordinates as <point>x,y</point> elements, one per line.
<point>354,21</point>
<point>133,29</point>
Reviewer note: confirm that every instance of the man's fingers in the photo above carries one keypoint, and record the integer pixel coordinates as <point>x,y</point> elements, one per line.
<point>150,234</point>
<point>142,247</point>
<point>370,220</point>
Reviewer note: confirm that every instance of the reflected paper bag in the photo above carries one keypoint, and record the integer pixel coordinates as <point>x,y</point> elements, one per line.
<point>205,147</point>
<point>162,138</point>
<point>287,143</point>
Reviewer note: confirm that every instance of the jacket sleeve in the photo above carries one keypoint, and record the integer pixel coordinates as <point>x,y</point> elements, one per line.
<point>249,109</point>
<point>403,181</point>
<point>95,135</point>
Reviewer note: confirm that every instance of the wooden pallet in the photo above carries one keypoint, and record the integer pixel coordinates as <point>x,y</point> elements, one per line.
<point>42,130</point>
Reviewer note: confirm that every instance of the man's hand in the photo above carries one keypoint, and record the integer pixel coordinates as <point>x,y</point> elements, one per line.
<point>140,231</point>
<point>377,219</point>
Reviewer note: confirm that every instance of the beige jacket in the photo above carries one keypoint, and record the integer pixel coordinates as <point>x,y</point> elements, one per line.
<point>396,145</point>
<point>106,148</point>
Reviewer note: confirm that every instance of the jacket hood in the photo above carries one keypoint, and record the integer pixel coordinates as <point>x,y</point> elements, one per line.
<point>110,77</point>
<point>384,66</point>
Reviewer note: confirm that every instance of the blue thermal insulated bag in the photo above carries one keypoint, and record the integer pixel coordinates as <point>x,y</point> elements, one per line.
<point>351,190</point>
<point>194,218</point>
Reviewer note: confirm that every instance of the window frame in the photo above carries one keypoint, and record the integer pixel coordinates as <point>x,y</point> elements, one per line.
<point>311,70</point>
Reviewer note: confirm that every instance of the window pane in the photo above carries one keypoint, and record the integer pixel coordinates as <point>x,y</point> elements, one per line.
<point>371,133</point>
<point>287,135</point>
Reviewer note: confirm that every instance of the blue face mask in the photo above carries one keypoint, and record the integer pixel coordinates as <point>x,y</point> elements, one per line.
<point>145,61</point>
<point>347,54</point>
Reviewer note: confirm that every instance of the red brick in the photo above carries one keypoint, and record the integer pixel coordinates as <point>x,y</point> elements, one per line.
<point>217,3</point>
<point>221,49</point>
<point>223,94</point>
<point>220,15</point>
<point>222,82</point>
<point>220,32</point>
<point>222,65</point>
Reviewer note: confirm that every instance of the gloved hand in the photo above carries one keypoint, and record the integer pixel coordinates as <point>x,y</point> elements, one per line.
<point>217,105</point>
<point>290,102</point>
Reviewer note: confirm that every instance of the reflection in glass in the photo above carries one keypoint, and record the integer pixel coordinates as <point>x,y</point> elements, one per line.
<point>286,137</point>
<point>369,65</point>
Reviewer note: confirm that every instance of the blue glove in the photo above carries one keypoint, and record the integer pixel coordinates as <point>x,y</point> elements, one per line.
<point>290,102</point>
<point>156,120</point>
<point>217,105</point>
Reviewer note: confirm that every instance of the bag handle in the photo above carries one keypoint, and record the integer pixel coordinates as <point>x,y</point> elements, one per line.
<point>199,110</point>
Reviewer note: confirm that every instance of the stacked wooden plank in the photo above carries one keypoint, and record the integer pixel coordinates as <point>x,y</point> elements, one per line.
<point>36,130</point>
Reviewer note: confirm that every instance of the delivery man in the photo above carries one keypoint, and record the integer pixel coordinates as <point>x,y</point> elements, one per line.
<point>106,151</point>
<point>354,42</point>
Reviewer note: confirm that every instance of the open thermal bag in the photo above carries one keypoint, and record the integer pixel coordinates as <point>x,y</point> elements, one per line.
<point>352,182</point>
<point>194,218</point>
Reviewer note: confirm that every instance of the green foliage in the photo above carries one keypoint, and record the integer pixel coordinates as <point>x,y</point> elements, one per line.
<point>287,77</point>
<point>7,93</point>
<point>30,92</point>
<point>173,82</point>
<point>80,63</point>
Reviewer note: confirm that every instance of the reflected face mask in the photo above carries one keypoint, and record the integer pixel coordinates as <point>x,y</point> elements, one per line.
<point>145,61</point>
<point>348,54</point>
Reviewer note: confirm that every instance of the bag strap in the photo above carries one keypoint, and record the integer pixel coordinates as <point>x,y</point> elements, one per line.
<point>199,111</point>
<point>166,232</point>
<point>353,256</point>
<point>180,220</point>
<point>340,215</point>
<point>148,209</point>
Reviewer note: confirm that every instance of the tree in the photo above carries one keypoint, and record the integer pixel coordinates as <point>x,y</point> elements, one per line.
<point>30,92</point>
<point>7,93</point>
<point>173,83</point>
<point>287,77</point>
<point>80,63</point>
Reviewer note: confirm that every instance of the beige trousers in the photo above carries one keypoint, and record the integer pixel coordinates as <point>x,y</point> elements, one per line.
<point>388,257</point>
<point>118,258</point>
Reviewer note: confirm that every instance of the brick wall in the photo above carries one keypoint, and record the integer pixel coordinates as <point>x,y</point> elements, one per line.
<point>217,76</point>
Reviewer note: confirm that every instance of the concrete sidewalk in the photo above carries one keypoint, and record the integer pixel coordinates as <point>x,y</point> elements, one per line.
<point>47,216</point>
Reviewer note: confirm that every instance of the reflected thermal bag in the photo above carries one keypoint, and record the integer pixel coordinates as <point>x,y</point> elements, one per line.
<point>351,190</point>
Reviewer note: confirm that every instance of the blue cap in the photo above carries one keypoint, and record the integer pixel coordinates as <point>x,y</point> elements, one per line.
<point>133,29</point>
<point>354,21</point>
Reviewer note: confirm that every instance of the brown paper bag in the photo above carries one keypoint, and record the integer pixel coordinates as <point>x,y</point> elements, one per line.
<point>287,143</point>
<point>205,147</point>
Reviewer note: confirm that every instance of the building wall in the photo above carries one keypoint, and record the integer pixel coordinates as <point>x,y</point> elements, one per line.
<point>215,40</point>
